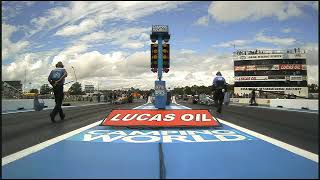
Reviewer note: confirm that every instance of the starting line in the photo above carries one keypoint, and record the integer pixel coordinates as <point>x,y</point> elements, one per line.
<point>96,151</point>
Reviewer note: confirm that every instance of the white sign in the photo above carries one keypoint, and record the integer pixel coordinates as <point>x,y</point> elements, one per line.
<point>160,28</point>
<point>259,56</point>
<point>272,88</point>
<point>268,56</point>
<point>251,78</point>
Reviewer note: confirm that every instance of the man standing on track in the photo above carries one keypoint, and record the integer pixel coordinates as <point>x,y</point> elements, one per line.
<point>219,87</point>
<point>56,79</point>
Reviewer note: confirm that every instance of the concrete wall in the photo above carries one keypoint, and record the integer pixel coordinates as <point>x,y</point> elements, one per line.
<point>27,104</point>
<point>246,101</point>
<point>295,103</point>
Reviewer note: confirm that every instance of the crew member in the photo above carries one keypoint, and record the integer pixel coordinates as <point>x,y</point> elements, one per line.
<point>56,79</point>
<point>219,87</point>
<point>253,97</point>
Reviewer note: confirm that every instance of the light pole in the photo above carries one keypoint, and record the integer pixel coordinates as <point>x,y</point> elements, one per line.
<point>74,73</point>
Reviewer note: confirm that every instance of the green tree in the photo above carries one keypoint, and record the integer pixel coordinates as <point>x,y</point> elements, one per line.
<point>313,88</point>
<point>76,89</point>
<point>45,89</point>
<point>187,90</point>
<point>34,91</point>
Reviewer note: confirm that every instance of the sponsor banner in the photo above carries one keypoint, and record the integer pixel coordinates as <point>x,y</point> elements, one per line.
<point>295,78</point>
<point>290,67</point>
<point>263,68</point>
<point>256,67</point>
<point>251,78</point>
<point>239,68</point>
<point>163,136</point>
<point>272,88</point>
<point>268,56</point>
<point>251,68</point>
<point>276,78</point>
<point>259,56</point>
<point>160,118</point>
<point>271,67</point>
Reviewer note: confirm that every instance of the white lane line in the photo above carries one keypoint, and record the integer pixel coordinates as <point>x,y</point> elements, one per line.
<point>38,147</point>
<point>283,145</point>
<point>291,148</point>
<point>141,106</point>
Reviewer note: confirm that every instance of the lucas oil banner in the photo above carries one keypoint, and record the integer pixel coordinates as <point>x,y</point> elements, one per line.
<point>160,118</point>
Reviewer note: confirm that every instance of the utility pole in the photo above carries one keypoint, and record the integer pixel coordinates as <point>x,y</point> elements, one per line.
<point>74,73</point>
<point>25,80</point>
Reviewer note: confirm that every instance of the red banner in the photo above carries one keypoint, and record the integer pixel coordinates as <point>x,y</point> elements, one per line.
<point>160,118</point>
<point>290,66</point>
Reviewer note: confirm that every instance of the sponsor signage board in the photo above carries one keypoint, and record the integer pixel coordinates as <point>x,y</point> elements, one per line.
<point>239,68</point>
<point>256,67</point>
<point>160,118</point>
<point>251,68</point>
<point>271,67</point>
<point>295,78</point>
<point>160,28</point>
<point>272,88</point>
<point>251,78</point>
<point>290,67</point>
<point>268,56</point>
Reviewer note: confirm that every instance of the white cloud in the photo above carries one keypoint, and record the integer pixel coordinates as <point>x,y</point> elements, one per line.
<point>239,42</point>
<point>72,30</point>
<point>132,38</point>
<point>11,9</point>
<point>99,11</point>
<point>36,67</point>
<point>8,47</point>
<point>203,21</point>
<point>275,40</point>
<point>286,30</point>
<point>233,11</point>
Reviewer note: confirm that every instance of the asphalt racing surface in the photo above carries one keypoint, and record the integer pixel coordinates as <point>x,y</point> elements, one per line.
<point>22,130</point>
<point>300,129</point>
<point>79,147</point>
<point>25,129</point>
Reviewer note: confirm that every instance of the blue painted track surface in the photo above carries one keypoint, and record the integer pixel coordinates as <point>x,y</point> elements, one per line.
<point>104,152</point>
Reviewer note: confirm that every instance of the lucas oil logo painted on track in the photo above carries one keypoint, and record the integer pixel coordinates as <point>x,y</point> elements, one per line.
<point>164,136</point>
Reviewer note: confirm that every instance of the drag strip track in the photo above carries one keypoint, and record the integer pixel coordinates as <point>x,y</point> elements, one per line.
<point>22,130</point>
<point>296,128</point>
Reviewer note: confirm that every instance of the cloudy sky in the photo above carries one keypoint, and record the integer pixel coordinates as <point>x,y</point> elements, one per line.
<point>108,43</point>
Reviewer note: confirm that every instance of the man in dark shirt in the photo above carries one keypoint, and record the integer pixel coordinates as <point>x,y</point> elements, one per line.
<point>253,97</point>
<point>56,79</point>
<point>219,87</point>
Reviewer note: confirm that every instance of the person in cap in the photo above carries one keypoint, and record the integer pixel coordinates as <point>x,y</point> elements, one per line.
<point>219,87</point>
<point>56,79</point>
